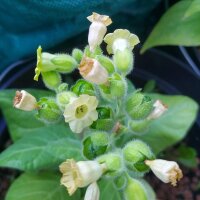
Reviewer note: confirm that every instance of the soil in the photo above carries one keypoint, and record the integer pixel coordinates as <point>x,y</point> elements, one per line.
<point>187,189</point>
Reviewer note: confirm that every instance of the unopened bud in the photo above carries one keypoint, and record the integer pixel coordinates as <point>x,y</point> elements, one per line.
<point>105,120</point>
<point>138,105</point>
<point>95,145</point>
<point>24,101</point>
<point>51,79</point>
<point>138,189</point>
<point>113,162</point>
<point>83,87</point>
<point>63,98</point>
<point>48,110</point>
<point>135,153</point>
<point>92,71</point>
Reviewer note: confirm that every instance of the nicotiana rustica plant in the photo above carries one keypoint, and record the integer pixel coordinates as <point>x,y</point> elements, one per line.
<point>100,132</point>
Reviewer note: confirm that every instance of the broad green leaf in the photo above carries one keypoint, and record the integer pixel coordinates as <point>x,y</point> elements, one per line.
<point>175,29</point>
<point>107,190</point>
<point>42,186</point>
<point>174,124</point>
<point>20,122</point>
<point>43,148</point>
<point>193,8</point>
<point>187,156</point>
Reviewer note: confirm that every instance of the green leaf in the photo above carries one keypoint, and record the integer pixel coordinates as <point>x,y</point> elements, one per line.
<point>187,156</point>
<point>193,8</point>
<point>175,29</point>
<point>20,123</point>
<point>42,186</point>
<point>108,191</point>
<point>174,124</point>
<point>43,148</point>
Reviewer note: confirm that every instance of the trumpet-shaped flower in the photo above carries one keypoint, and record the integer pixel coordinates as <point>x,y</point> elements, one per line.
<point>120,39</point>
<point>80,174</point>
<point>24,101</point>
<point>158,111</point>
<point>92,71</point>
<point>97,29</point>
<point>81,112</point>
<point>166,171</point>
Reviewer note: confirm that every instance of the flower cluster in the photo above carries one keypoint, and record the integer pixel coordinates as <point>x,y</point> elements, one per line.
<point>104,110</point>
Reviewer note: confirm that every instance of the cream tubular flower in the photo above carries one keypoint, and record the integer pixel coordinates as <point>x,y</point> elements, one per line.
<point>80,174</point>
<point>24,101</point>
<point>166,171</point>
<point>81,112</point>
<point>120,39</point>
<point>97,29</point>
<point>158,111</point>
<point>92,71</point>
<point>92,192</point>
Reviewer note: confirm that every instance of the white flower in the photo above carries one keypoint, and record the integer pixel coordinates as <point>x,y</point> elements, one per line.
<point>120,39</point>
<point>80,174</point>
<point>92,71</point>
<point>166,171</point>
<point>81,112</point>
<point>24,101</point>
<point>97,29</point>
<point>92,192</point>
<point>158,111</point>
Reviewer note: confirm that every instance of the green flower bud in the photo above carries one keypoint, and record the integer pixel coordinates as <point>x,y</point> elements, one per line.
<point>64,63</point>
<point>63,98</point>
<point>139,106</point>
<point>113,162</point>
<point>138,190</point>
<point>95,145</point>
<point>123,60</point>
<point>120,182</point>
<point>118,86</point>
<point>107,63</point>
<point>135,153</point>
<point>62,87</point>
<point>53,62</point>
<point>83,87</point>
<point>77,55</point>
<point>139,126</point>
<point>48,111</point>
<point>51,79</point>
<point>104,121</point>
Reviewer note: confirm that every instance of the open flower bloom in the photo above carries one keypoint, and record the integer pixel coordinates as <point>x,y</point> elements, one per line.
<point>97,29</point>
<point>92,71</point>
<point>92,192</point>
<point>120,39</point>
<point>24,101</point>
<point>81,112</point>
<point>158,111</point>
<point>166,171</point>
<point>80,174</point>
<point>43,63</point>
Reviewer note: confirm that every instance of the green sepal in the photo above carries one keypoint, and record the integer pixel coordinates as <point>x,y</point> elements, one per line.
<point>107,63</point>
<point>77,55</point>
<point>139,126</point>
<point>97,51</point>
<point>83,87</point>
